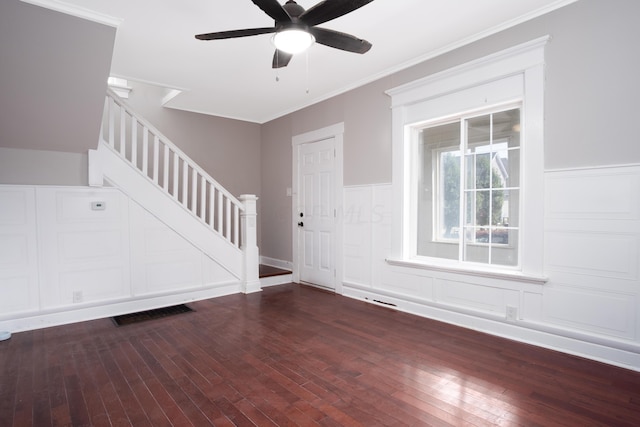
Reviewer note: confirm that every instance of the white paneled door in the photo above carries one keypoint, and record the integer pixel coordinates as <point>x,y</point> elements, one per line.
<point>316,214</point>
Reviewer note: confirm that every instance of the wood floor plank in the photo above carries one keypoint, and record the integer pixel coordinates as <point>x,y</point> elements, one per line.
<point>296,356</point>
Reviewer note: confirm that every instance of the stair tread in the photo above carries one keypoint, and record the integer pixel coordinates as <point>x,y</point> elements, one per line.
<point>269,271</point>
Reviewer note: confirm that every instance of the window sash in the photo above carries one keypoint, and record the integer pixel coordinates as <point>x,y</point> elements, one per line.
<point>466,232</point>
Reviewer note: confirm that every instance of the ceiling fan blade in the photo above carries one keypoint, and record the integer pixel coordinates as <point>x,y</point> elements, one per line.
<point>280,59</point>
<point>274,9</point>
<point>235,33</point>
<point>330,9</point>
<point>340,40</point>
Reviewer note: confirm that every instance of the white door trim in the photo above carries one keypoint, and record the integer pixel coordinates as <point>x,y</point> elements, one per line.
<point>337,132</point>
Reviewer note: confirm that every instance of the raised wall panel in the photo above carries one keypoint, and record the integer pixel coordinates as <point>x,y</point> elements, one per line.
<point>471,295</point>
<point>601,312</point>
<point>73,206</point>
<point>82,245</point>
<point>592,245</point>
<point>161,240</point>
<point>405,282</point>
<point>18,250</point>
<point>381,229</point>
<point>96,284</point>
<point>357,235</point>
<point>607,255</point>
<point>84,252</point>
<point>381,238</point>
<point>16,294</point>
<point>15,206</point>
<point>162,260</point>
<point>14,250</point>
<point>214,273</point>
<point>604,193</point>
<point>173,275</point>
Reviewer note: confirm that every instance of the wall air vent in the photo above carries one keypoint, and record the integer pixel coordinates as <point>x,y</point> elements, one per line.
<point>385,303</point>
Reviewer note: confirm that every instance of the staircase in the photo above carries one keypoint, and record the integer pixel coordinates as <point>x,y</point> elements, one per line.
<point>135,157</point>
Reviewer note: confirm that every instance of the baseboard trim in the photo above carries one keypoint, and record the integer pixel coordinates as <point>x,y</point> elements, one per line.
<point>80,313</point>
<point>278,263</point>
<point>570,342</point>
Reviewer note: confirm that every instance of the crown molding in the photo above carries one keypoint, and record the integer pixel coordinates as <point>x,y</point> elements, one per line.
<point>77,11</point>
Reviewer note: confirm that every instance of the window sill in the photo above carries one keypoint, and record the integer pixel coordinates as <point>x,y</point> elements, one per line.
<point>503,275</point>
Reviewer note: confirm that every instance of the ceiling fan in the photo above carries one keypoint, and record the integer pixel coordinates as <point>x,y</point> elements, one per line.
<point>295,28</point>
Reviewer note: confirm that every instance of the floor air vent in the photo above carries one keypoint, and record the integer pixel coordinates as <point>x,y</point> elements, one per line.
<point>127,319</point>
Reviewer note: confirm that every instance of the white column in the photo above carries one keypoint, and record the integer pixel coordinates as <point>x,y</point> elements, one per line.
<point>249,245</point>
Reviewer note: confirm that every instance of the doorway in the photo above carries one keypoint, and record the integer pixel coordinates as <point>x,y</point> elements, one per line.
<point>316,207</point>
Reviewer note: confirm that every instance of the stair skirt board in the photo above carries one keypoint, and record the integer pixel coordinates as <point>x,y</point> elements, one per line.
<point>158,313</point>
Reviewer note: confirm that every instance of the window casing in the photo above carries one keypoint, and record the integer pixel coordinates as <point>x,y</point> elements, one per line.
<point>475,99</point>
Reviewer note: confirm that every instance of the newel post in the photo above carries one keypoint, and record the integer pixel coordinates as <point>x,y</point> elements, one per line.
<point>249,244</point>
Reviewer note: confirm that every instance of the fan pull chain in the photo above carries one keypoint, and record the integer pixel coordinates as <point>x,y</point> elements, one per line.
<point>307,64</point>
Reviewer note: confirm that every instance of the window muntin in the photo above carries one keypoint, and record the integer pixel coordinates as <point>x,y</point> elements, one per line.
<point>468,211</point>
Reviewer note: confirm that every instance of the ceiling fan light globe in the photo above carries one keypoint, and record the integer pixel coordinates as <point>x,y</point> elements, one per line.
<point>292,41</point>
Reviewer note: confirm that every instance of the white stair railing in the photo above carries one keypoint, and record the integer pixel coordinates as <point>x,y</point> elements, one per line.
<point>156,157</point>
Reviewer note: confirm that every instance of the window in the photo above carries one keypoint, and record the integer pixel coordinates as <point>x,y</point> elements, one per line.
<point>468,167</point>
<point>467,210</point>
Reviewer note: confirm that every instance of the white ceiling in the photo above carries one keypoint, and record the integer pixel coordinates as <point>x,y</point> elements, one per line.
<point>233,78</point>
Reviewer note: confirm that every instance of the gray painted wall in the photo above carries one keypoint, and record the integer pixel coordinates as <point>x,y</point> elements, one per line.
<point>39,167</point>
<point>229,150</point>
<point>53,77</point>
<point>591,94</point>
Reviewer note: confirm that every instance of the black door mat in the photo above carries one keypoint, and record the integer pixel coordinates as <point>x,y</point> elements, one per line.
<point>127,319</point>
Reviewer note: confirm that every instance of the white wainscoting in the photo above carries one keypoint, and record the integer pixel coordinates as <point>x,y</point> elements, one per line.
<point>63,259</point>
<point>590,305</point>
<point>162,260</point>
<point>367,238</point>
<point>84,253</point>
<point>592,251</point>
<point>18,251</point>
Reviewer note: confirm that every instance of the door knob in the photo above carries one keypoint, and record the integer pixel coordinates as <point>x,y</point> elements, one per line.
<point>301,224</point>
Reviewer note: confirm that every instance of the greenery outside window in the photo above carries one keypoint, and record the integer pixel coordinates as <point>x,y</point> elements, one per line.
<point>468,187</point>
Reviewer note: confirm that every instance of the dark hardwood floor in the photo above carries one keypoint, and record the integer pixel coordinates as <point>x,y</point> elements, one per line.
<point>294,355</point>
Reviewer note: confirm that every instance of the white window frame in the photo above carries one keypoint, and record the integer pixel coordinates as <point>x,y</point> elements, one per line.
<point>514,74</point>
